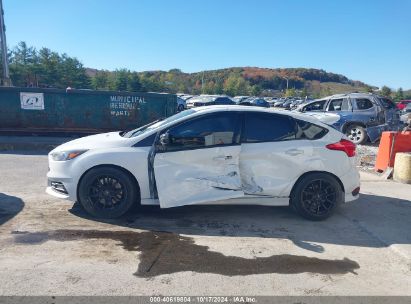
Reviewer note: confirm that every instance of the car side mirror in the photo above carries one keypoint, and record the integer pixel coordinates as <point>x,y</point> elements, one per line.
<point>165,139</point>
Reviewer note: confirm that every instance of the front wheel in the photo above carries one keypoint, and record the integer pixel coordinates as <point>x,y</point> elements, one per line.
<point>107,192</point>
<point>357,134</point>
<point>316,196</point>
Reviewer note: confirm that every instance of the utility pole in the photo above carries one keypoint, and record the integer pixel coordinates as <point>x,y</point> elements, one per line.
<point>202,82</point>
<point>287,81</point>
<point>6,77</point>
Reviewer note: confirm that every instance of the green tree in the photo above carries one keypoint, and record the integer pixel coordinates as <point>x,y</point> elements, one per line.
<point>243,87</point>
<point>368,89</point>
<point>24,65</point>
<point>209,88</point>
<point>100,81</point>
<point>45,68</point>
<point>218,87</point>
<point>49,68</point>
<point>386,91</point>
<point>237,85</point>
<point>134,84</point>
<point>304,93</point>
<point>230,85</point>
<point>399,95</point>
<point>121,80</point>
<point>290,92</point>
<point>256,90</point>
<point>72,73</point>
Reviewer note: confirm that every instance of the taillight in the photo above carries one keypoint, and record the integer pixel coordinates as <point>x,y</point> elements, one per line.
<point>343,145</point>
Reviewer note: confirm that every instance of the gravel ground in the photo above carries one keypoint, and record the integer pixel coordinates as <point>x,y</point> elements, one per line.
<point>366,157</point>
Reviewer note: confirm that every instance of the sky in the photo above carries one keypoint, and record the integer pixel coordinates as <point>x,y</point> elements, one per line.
<point>366,40</point>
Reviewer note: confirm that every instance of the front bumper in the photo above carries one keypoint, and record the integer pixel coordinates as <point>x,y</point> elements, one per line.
<point>52,192</point>
<point>60,180</point>
<point>66,183</point>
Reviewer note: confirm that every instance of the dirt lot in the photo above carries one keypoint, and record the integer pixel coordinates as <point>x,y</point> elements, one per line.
<point>50,247</point>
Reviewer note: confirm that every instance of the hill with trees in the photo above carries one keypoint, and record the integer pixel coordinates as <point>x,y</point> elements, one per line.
<point>45,68</point>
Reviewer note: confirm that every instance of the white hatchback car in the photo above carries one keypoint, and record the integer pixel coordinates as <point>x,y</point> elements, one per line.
<point>210,155</point>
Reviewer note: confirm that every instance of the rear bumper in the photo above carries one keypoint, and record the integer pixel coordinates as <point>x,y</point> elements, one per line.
<point>351,181</point>
<point>349,197</point>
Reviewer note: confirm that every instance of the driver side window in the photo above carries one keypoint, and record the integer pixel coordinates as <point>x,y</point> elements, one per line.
<point>204,132</point>
<point>315,106</point>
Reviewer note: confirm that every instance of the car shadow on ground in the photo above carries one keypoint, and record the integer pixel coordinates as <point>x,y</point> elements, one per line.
<point>165,240</point>
<point>10,206</point>
<point>372,221</point>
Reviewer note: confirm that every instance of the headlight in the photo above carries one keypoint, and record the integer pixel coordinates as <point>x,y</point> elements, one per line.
<point>66,155</point>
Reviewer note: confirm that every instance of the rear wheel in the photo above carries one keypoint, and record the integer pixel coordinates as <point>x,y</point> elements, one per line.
<point>357,134</point>
<point>316,196</point>
<point>107,192</point>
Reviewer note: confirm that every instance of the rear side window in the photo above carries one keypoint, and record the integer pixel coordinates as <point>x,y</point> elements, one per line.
<point>307,130</point>
<point>387,103</point>
<point>363,103</point>
<point>265,127</point>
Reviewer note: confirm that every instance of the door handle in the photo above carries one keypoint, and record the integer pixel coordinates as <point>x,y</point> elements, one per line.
<point>223,157</point>
<point>294,152</point>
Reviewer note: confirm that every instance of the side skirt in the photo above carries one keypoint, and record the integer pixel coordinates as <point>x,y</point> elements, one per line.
<point>253,200</point>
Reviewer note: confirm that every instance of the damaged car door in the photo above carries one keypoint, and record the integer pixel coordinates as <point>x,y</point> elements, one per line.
<point>272,158</point>
<point>197,161</point>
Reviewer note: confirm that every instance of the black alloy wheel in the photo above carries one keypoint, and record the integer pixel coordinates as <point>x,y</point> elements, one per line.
<point>107,192</point>
<point>316,196</point>
<point>319,197</point>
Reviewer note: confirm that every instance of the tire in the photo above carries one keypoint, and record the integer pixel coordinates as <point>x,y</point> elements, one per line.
<point>316,196</point>
<point>357,134</point>
<point>107,192</point>
<point>180,108</point>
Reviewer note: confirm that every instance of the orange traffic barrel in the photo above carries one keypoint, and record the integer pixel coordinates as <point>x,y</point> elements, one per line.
<point>390,144</point>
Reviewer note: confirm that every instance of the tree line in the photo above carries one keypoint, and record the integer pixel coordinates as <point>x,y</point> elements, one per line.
<point>45,68</point>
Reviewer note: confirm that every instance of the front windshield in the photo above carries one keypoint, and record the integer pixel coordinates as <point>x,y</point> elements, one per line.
<point>157,124</point>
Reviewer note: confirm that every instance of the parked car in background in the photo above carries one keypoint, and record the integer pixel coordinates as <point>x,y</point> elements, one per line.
<point>210,155</point>
<point>238,99</point>
<point>209,100</point>
<point>287,104</point>
<point>406,114</point>
<point>272,101</point>
<point>279,103</point>
<point>181,104</point>
<point>402,104</point>
<point>361,116</point>
<point>258,102</point>
<point>295,103</point>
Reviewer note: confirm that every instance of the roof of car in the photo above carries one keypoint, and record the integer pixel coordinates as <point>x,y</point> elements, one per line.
<point>220,108</point>
<point>355,94</point>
